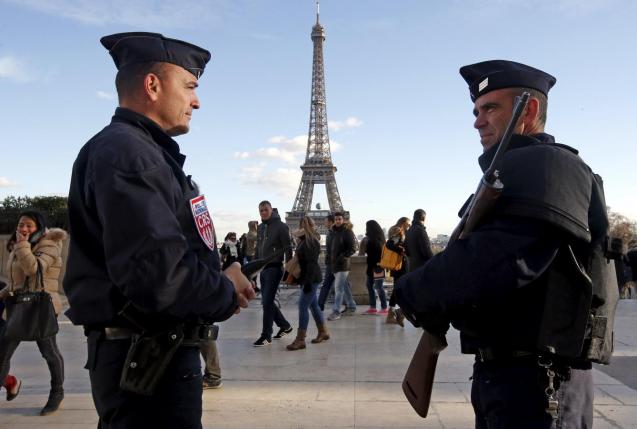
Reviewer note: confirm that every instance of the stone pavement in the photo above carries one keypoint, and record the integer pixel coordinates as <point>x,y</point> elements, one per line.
<point>351,381</point>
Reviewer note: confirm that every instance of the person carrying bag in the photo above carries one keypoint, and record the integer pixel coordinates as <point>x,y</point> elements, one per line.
<point>32,300</point>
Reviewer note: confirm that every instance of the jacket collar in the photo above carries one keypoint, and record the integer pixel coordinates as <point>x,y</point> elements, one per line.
<point>517,141</point>
<point>151,127</point>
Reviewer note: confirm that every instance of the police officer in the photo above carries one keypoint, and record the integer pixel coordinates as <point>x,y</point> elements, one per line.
<point>525,289</point>
<point>142,257</point>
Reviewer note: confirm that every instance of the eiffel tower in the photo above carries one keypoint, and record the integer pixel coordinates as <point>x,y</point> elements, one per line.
<point>318,167</point>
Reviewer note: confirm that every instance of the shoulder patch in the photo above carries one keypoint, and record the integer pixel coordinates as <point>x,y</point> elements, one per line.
<point>203,221</point>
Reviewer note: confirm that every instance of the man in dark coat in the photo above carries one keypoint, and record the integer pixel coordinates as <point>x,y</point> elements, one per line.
<point>342,247</point>
<point>142,257</point>
<point>272,236</point>
<point>515,287</point>
<point>417,241</point>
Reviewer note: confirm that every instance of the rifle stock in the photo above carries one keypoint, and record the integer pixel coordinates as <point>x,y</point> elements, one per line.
<point>419,378</point>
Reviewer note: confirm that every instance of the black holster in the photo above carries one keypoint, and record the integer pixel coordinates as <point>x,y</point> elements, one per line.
<point>148,357</point>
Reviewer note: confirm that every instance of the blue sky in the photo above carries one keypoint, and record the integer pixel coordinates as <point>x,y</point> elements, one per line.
<point>400,115</point>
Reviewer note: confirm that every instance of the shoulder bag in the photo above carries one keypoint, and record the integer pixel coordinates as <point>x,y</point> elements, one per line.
<point>30,314</point>
<point>390,260</point>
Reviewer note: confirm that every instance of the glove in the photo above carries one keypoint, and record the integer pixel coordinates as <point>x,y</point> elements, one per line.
<point>307,288</point>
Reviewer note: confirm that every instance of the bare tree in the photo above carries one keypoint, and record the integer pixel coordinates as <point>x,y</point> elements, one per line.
<point>622,227</point>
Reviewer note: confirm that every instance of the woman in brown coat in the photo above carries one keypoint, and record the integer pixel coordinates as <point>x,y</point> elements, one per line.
<point>32,243</point>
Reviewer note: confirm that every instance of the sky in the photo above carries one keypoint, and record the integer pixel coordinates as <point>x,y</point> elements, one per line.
<point>400,117</point>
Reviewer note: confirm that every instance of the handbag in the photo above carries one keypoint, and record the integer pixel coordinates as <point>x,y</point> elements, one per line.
<point>293,267</point>
<point>379,272</point>
<point>289,279</point>
<point>30,314</point>
<point>391,260</point>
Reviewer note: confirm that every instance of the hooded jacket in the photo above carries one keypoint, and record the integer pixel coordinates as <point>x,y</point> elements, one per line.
<point>273,235</point>
<point>342,246</point>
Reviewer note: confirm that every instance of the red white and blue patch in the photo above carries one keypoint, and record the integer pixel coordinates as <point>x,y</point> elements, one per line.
<point>203,220</point>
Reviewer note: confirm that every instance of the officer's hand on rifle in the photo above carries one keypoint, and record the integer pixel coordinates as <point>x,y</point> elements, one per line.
<point>242,286</point>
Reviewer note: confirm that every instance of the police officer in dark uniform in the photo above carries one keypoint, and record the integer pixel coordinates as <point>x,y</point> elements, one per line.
<point>531,290</point>
<point>143,273</point>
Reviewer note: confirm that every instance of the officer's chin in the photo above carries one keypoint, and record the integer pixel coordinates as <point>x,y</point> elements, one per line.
<point>178,130</point>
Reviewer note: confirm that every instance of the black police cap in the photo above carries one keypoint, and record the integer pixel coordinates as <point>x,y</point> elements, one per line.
<point>487,76</point>
<point>142,47</point>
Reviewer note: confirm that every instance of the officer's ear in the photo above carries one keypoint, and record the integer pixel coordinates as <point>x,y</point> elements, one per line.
<point>152,86</point>
<point>530,116</point>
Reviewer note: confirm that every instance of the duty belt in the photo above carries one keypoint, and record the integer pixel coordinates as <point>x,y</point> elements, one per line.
<point>488,354</point>
<point>193,334</point>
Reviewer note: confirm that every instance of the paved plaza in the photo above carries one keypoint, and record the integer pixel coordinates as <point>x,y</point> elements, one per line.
<point>351,381</point>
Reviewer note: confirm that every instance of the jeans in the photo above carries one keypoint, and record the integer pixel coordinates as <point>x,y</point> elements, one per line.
<point>211,359</point>
<point>50,352</point>
<point>328,281</point>
<point>309,301</point>
<point>377,284</point>
<point>270,279</point>
<point>510,394</point>
<point>176,402</point>
<point>342,290</point>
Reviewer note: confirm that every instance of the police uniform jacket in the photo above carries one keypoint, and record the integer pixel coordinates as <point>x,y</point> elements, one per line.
<point>133,233</point>
<point>511,284</point>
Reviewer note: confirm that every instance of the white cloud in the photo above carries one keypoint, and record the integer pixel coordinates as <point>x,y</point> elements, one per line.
<point>135,13</point>
<point>6,183</point>
<point>281,148</point>
<point>350,122</point>
<point>105,95</point>
<point>13,69</point>
<point>283,181</point>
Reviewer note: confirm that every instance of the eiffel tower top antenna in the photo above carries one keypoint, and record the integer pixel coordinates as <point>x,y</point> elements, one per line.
<point>318,167</point>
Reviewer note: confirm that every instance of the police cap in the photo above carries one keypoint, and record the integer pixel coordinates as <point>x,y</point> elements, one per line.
<point>496,74</point>
<point>142,47</point>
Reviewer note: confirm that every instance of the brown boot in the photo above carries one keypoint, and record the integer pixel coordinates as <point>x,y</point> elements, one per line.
<point>391,316</point>
<point>323,334</point>
<point>299,341</point>
<point>400,317</point>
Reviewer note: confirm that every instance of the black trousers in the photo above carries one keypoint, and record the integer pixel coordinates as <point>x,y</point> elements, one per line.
<point>49,351</point>
<point>176,403</point>
<point>510,395</point>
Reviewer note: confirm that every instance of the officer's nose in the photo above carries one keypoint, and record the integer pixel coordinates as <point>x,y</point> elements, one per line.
<point>479,122</point>
<point>195,103</point>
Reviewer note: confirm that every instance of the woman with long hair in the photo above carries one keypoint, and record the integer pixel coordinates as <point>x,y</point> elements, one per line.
<point>396,242</point>
<point>307,251</point>
<point>32,244</point>
<point>230,251</point>
<point>375,240</point>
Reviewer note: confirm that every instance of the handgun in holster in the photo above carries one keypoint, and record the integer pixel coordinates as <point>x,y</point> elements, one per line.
<point>150,352</point>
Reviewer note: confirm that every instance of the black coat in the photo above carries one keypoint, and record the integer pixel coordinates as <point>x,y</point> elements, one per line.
<point>342,247</point>
<point>273,235</point>
<point>494,285</point>
<point>417,245</point>
<point>133,236</point>
<point>308,252</point>
<point>374,250</point>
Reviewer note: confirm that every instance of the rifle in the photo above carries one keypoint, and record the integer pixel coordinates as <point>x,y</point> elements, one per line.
<point>253,268</point>
<point>419,378</point>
